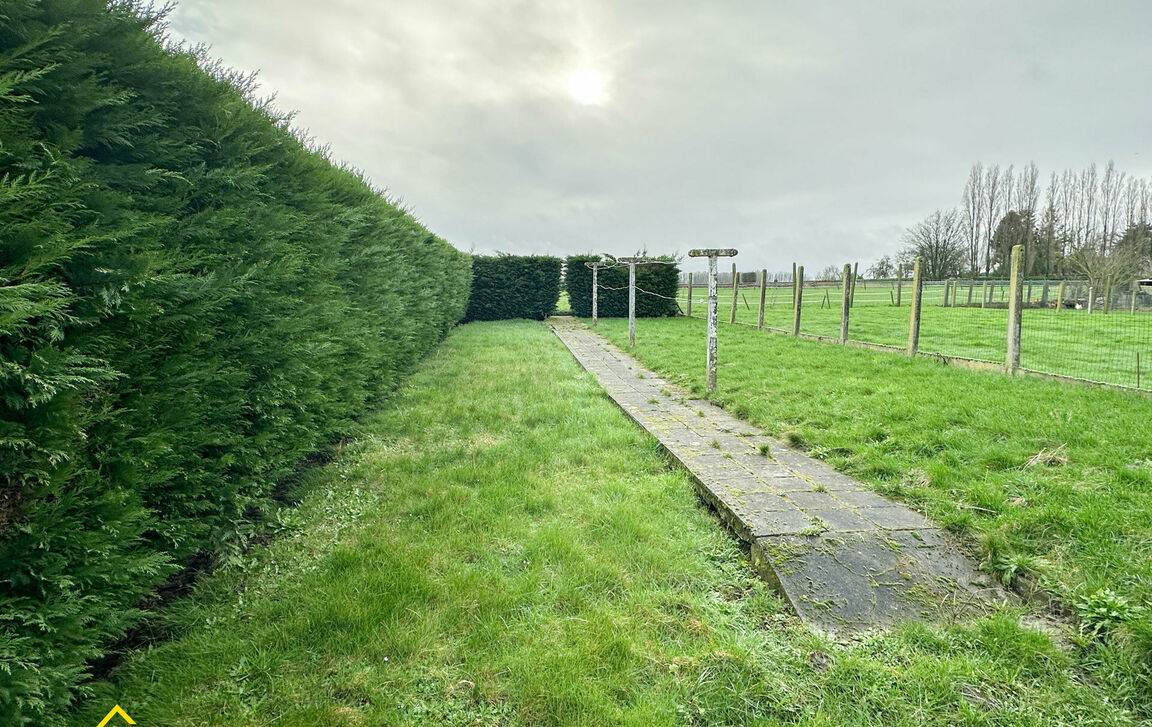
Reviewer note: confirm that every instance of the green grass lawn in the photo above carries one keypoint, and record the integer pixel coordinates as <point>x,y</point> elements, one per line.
<point>1074,343</point>
<point>504,547</point>
<point>957,443</point>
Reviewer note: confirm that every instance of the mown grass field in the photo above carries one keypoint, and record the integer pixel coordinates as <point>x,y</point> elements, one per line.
<point>1074,343</point>
<point>957,444</point>
<point>504,547</point>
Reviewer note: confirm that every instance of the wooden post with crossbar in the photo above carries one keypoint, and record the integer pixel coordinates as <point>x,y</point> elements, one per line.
<point>710,357</point>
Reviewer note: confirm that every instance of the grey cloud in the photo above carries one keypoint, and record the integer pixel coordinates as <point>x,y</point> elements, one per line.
<point>785,129</point>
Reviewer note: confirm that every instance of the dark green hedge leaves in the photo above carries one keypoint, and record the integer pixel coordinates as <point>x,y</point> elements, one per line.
<point>513,286</point>
<point>612,302</point>
<point>191,302</point>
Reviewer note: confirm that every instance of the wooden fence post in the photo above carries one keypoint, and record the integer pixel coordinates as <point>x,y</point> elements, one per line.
<point>947,289</point>
<point>735,291</point>
<point>914,316</point>
<point>763,295</point>
<point>845,305</point>
<point>710,363</point>
<point>689,312</point>
<point>1091,297</point>
<point>1015,303</point>
<point>799,302</point>
<point>899,284</point>
<point>971,286</point>
<point>1108,295</point>
<point>852,288</point>
<point>595,292</point>
<point>710,356</point>
<point>1060,296</point>
<point>984,295</point>
<point>632,305</point>
<point>1135,287</point>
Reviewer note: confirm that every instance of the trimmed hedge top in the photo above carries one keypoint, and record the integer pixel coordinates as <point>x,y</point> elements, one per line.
<point>612,302</point>
<point>513,286</point>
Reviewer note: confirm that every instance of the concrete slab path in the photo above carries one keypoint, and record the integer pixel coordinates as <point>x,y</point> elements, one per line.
<point>844,557</point>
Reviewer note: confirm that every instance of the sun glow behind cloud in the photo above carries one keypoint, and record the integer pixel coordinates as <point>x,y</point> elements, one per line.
<point>586,86</point>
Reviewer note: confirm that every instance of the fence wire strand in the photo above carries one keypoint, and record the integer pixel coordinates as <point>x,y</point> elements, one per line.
<point>1074,328</point>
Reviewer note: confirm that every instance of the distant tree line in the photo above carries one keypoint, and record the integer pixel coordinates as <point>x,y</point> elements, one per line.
<point>1090,223</point>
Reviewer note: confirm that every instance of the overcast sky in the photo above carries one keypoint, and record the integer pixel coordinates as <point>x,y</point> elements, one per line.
<point>807,131</point>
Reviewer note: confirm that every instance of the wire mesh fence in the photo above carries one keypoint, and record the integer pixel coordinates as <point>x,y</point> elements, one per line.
<point>1098,331</point>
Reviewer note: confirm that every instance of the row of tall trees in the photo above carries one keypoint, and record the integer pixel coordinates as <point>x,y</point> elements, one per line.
<point>1088,222</point>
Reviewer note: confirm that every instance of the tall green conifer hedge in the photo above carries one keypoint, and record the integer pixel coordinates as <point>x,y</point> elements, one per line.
<point>191,301</point>
<point>656,285</point>
<point>513,286</point>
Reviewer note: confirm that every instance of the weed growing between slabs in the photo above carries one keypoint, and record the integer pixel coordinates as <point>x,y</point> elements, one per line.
<point>504,547</point>
<point>1050,479</point>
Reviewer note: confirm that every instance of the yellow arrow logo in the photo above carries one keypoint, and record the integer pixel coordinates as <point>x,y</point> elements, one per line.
<point>116,711</point>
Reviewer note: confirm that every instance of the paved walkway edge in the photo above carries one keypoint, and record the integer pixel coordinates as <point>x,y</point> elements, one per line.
<point>845,558</point>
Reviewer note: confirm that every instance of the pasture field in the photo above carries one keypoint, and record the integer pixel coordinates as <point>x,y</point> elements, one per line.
<point>504,547</point>
<point>1067,342</point>
<point>1052,481</point>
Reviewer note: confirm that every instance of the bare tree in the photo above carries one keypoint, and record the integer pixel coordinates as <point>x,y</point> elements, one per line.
<point>939,240</point>
<point>1027,196</point>
<point>830,272</point>
<point>1111,184</point>
<point>1068,209</point>
<point>882,269</point>
<point>1008,190</point>
<point>993,200</point>
<point>972,209</point>
<point>1089,199</point>
<point>1049,226</point>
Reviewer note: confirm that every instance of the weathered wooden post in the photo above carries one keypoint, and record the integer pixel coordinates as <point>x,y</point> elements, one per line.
<point>955,292</point>
<point>1135,288</point>
<point>899,284</point>
<point>1091,297</point>
<point>1015,304</point>
<point>984,295</point>
<point>799,301</point>
<point>689,313</point>
<point>710,358</point>
<point>1060,296</point>
<point>845,305</point>
<point>991,292</point>
<point>631,304</point>
<point>632,261</point>
<point>971,287</point>
<point>595,265</point>
<point>914,316</point>
<point>1108,295</point>
<point>947,290</point>
<point>852,288</point>
<point>763,295</point>
<point>735,292</point>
